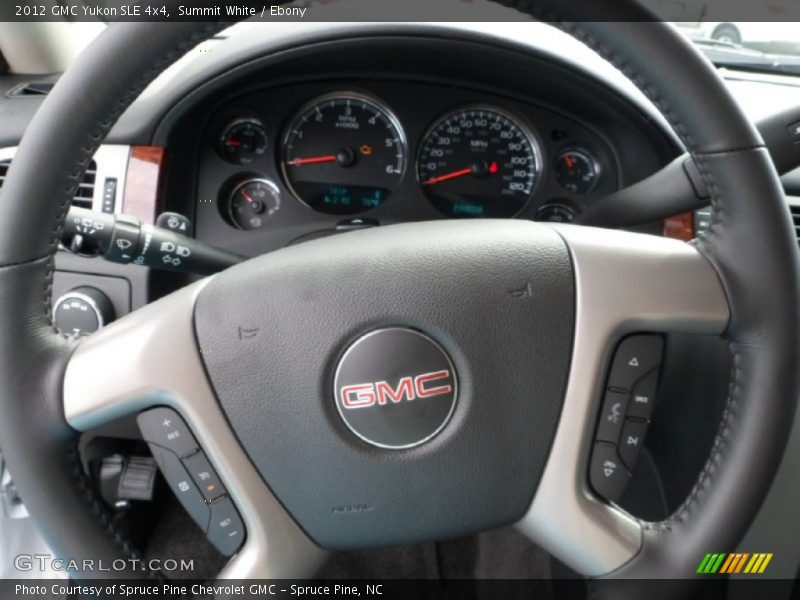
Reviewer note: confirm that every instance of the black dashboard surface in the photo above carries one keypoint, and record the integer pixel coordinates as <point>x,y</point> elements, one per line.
<point>418,80</point>
<point>416,106</point>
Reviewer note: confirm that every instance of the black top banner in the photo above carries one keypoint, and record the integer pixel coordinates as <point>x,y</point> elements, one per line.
<point>371,10</point>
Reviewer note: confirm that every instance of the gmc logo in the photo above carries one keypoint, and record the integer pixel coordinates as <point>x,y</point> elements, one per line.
<point>364,395</point>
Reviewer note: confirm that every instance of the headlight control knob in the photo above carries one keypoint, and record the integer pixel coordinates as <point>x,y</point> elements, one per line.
<point>82,311</point>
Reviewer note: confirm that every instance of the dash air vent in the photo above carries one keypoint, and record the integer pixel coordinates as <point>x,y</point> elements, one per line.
<point>85,192</point>
<point>795,209</point>
<point>34,88</point>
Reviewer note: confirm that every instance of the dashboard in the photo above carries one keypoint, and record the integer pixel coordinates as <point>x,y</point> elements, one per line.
<point>364,152</point>
<point>262,141</point>
<point>363,131</point>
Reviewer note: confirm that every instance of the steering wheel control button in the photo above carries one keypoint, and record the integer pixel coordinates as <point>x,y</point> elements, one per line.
<point>82,311</point>
<point>181,484</point>
<point>163,426</point>
<point>607,474</point>
<point>631,442</point>
<point>643,396</point>
<point>636,356</point>
<point>204,475</point>
<point>395,388</point>
<point>612,417</point>
<point>225,530</point>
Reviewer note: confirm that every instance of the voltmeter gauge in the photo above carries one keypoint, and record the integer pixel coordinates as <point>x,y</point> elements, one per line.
<point>243,141</point>
<point>577,170</point>
<point>252,203</point>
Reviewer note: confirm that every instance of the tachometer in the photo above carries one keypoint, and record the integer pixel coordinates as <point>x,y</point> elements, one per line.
<point>344,154</point>
<point>479,162</point>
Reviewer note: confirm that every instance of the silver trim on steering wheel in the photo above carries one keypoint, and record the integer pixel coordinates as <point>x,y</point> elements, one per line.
<point>624,283</point>
<point>150,358</point>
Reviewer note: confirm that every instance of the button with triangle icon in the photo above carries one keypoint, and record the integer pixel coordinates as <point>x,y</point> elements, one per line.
<point>607,473</point>
<point>636,356</point>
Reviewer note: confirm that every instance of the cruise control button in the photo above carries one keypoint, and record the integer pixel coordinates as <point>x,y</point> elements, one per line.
<point>631,442</point>
<point>204,475</point>
<point>181,484</point>
<point>635,356</point>
<point>643,396</point>
<point>607,474</point>
<point>163,426</point>
<point>612,417</point>
<point>226,530</point>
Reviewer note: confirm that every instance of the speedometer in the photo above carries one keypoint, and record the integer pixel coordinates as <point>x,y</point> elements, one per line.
<point>344,153</point>
<point>479,162</point>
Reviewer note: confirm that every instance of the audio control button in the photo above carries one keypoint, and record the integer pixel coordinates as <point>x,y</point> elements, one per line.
<point>163,426</point>
<point>612,417</point>
<point>635,356</point>
<point>607,474</point>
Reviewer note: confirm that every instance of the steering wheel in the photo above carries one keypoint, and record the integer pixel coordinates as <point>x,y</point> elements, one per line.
<point>502,330</point>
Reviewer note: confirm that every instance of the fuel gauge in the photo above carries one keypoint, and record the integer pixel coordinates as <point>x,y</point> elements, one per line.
<point>577,170</point>
<point>253,203</point>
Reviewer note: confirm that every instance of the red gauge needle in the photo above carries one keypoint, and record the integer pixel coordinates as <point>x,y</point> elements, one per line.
<point>570,161</point>
<point>246,196</point>
<point>478,169</point>
<point>233,143</point>
<point>448,176</point>
<point>312,160</point>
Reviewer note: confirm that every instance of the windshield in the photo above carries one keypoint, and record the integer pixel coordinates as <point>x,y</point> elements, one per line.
<point>758,46</point>
<point>768,42</point>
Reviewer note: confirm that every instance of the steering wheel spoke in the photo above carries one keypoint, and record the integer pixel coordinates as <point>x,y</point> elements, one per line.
<point>150,358</point>
<point>625,283</point>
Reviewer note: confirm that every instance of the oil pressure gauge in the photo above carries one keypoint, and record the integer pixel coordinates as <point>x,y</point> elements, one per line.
<point>577,170</point>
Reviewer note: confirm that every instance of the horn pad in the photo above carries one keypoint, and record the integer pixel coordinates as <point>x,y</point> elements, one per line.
<point>397,384</point>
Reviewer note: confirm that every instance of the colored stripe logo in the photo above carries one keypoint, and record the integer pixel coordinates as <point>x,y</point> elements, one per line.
<point>736,562</point>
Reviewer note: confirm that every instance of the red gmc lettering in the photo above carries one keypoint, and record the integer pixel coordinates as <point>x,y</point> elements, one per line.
<point>358,396</point>
<point>405,387</point>
<point>364,395</point>
<point>421,380</point>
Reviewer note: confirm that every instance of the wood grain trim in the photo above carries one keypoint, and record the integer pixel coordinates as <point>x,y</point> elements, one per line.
<point>143,182</point>
<point>680,227</point>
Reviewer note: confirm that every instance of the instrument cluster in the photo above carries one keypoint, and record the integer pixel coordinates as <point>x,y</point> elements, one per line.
<point>392,152</point>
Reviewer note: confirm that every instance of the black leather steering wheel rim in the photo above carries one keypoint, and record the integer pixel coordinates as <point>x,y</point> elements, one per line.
<point>751,244</point>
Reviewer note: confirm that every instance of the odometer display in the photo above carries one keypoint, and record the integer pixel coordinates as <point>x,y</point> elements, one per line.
<point>344,154</point>
<point>479,162</point>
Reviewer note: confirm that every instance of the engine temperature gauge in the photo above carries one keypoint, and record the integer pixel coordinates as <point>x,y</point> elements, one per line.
<point>253,203</point>
<point>243,141</point>
<point>577,170</point>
